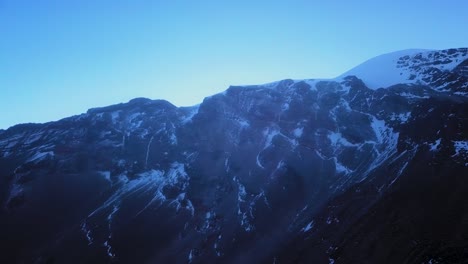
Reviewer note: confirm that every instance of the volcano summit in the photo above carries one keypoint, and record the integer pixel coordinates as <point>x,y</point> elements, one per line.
<point>369,167</point>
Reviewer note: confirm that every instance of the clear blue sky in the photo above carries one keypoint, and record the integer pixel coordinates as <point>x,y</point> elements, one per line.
<point>59,58</point>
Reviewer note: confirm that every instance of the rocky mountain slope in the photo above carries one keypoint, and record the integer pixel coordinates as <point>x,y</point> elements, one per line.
<point>369,167</point>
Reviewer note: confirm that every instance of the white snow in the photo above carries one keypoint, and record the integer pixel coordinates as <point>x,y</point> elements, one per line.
<point>461,93</point>
<point>87,233</point>
<point>271,132</point>
<point>150,181</point>
<point>109,249</point>
<point>39,156</point>
<point>226,164</point>
<point>460,147</point>
<point>402,117</point>
<point>114,210</point>
<point>402,168</point>
<point>455,60</point>
<point>269,135</point>
<point>308,226</point>
<point>313,83</point>
<point>320,155</point>
<point>190,207</point>
<point>259,164</point>
<point>399,173</point>
<point>173,139</point>
<point>379,128</point>
<point>131,120</point>
<point>382,71</point>
<point>193,111</point>
<point>280,165</point>
<point>269,85</point>
<point>338,139</point>
<point>298,132</point>
<point>340,168</point>
<point>241,191</point>
<point>385,145</point>
<point>177,202</point>
<point>115,115</point>
<point>148,150</point>
<point>190,256</point>
<point>243,123</point>
<point>406,66</point>
<point>106,175</point>
<point>413,96</point>
<point>244,208</point>
<point>434,146</point>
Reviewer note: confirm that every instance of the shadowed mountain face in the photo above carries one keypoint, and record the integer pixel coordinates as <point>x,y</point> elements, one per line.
<point>312,171</point>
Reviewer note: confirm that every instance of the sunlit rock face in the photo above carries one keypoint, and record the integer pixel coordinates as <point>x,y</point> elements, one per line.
<point>346,170</point>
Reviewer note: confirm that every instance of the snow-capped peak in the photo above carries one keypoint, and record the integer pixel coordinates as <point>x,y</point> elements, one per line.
<point>441,70</point>
<point>406,67</point>
<point>383,70</point>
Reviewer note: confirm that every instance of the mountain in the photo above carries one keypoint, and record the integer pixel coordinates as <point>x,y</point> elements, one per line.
<point>369,167</point>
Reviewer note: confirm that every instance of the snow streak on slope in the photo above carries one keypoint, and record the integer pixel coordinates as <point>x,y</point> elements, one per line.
<point>151,185</point>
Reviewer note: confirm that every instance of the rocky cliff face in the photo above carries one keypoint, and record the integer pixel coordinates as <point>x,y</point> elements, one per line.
<point>347,170</point>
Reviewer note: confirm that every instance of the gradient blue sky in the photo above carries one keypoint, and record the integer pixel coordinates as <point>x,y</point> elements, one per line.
<point>59,58</point>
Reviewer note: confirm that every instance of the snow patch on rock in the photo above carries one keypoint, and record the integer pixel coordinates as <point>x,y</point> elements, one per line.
<point>308,227</point>
<point>434,146</point>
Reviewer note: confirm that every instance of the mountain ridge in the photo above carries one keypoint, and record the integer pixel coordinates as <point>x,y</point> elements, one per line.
<point>355,71</point>
<point>329,171</point>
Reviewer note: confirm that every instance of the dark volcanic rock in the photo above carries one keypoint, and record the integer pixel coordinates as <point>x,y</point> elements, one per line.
<point>311,171</point>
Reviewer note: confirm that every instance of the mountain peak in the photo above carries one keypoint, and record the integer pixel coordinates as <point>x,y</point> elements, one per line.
<point>296,170</point>
<point>412,66</point>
